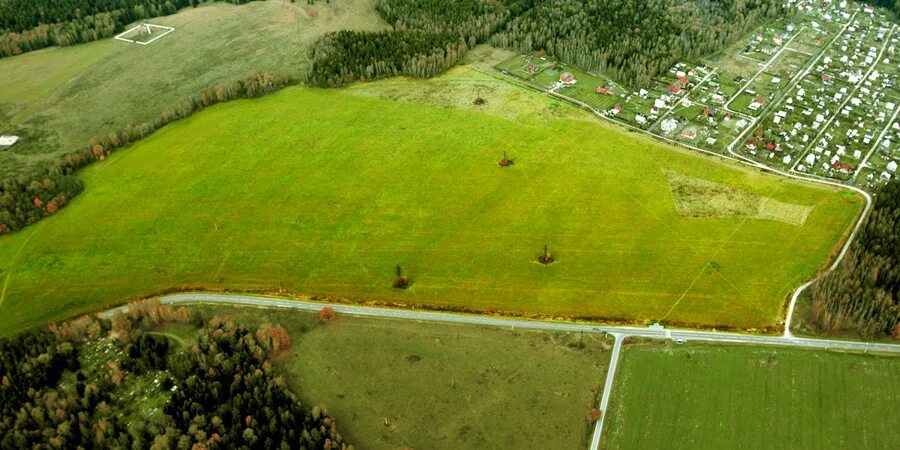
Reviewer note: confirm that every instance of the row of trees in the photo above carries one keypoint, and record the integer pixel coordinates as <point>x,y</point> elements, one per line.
<point>220,393</point>
<point>27,25</point>
<point>862,294</point>
<point>30,197</point>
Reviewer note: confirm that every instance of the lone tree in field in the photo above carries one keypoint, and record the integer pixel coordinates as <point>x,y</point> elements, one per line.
<point>327,314</point>
<point>505,162</point>
<point>546,257</point>
<point>402,282</point>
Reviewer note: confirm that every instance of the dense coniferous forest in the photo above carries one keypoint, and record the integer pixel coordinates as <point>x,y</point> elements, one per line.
<point>630,40</point>
<point>220,393</point>
<point>429,36</point>
<point>892,5</point>
<point>862,294</point>
<point>27,25</point>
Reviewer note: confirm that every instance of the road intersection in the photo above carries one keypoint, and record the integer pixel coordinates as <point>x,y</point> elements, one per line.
<point>617,332</point>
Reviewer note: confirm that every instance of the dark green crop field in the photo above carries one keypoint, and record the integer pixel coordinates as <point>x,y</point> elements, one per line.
<point>713,396</point>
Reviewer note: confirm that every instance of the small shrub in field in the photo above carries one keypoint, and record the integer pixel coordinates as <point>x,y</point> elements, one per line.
<point>546,257</point>
<point>402,282</point>
<point>327,314</point>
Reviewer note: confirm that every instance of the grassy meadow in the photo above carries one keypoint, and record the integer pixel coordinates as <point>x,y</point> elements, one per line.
<point>397,384</point>
<point>59,98</point>
<point>712,396</point>
<point>322,193</point>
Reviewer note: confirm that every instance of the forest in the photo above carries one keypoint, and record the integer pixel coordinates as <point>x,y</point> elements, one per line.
<point>221,392</point>
<point>27,25</point>
<point>861,295</point>
<point>892,5</point>
<point>630,40</point>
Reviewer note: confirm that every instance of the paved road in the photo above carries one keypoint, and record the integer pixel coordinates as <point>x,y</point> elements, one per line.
<point>619,333</point>
<point>607,390</point>
<point>430,316</point>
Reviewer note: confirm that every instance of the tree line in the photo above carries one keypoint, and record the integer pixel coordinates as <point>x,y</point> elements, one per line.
<point>891,5</point>
<point>221,392</point>
<point>27,25</point>
<point>861,294</point>
<point>42,192</point>
<point>428,37</point>
<point>633,41</point>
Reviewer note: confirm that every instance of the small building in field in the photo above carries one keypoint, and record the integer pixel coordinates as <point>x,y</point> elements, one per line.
<point>532,68</point>
<point>8,141</point>
<point>567,78</point>
<point>674,89</point>
<point>603,90</point>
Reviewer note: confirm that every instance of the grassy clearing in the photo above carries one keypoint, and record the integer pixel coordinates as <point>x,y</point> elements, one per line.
<point>460,86</point>
<point>711,396</point>
<point>328,203</point>
<point>60,98</point>
<point>396,384</point>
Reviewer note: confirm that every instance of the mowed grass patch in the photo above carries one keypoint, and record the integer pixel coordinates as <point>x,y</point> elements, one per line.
<point>713,396</point>
<point>399,384</point>
<point>699,198</point>
<point>319,192</point>
<point>461,86</point>
<point>34,75</point>
<point>60,98</point>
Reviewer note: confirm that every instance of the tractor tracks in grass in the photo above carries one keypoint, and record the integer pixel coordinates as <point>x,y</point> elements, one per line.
<point>14,261</point>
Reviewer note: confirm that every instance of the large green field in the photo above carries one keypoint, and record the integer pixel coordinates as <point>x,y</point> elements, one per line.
<point>404,384</point>
<point>322,193</point>
<point>714,396</point>
<point>59,98</point>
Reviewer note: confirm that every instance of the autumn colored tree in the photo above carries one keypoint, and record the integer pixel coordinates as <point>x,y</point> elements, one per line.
<point>327,314</point>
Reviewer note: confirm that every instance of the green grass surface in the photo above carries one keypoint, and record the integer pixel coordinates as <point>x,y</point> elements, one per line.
<point>319,192</point>
<point>714,396</point>
<point>60,98</point>
<point>395,384</point>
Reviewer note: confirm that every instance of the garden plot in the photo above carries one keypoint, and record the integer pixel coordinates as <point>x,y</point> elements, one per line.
<point>525,67</point>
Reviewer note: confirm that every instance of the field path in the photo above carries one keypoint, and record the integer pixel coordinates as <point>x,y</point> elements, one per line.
<point>14,261</point>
